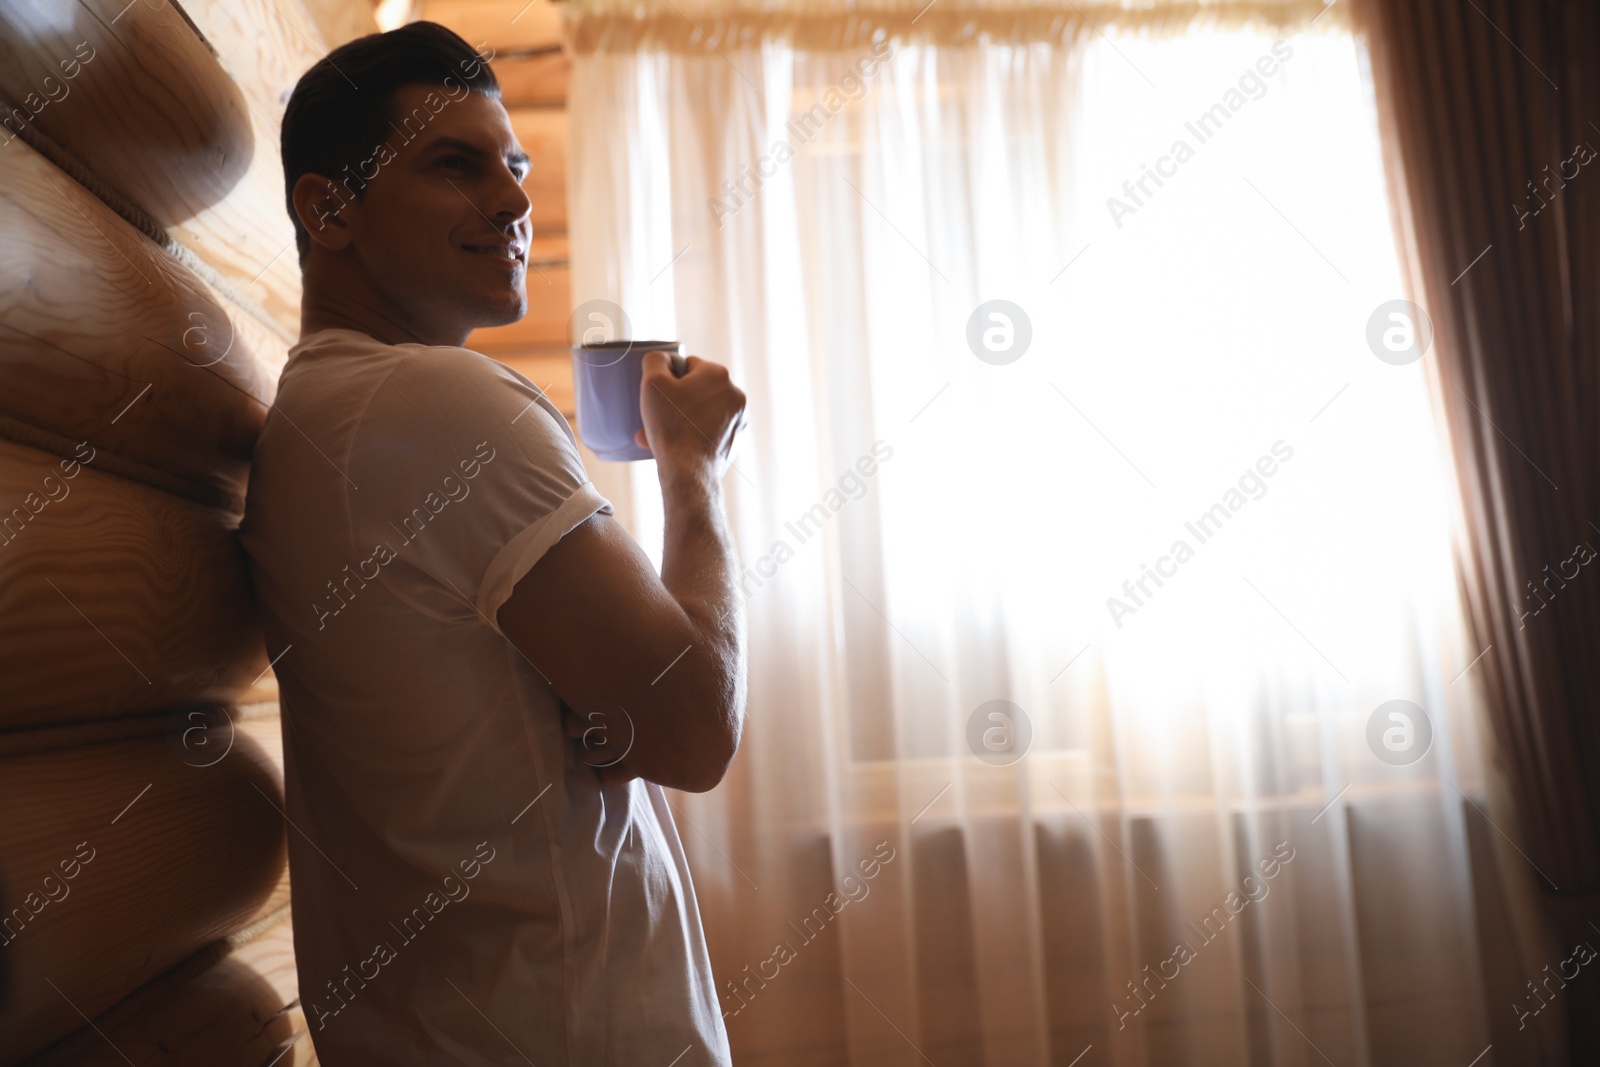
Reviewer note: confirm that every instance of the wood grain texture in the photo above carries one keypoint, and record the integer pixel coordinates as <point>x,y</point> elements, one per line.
<point>264,46</point>
<point>505,25</point>
<point>199,728</point>
<point>105,338</point>
<point>533,79</point>
<point>265,691</point>
<point>115,598</point>
<point>543,133</point>
<point>156,116</point>
<point>233,1003</point>
<point>169,858</point>
<point>549,283</point>
<point>341,20</point>
<point>239,1010</point>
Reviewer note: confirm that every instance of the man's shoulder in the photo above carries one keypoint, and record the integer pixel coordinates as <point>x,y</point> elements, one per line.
<point>348,354</point>
<point>343,377</point>
<point>331,371</point>
<point>438,399</point>
<point>445,388</point>
<point>438,387</point>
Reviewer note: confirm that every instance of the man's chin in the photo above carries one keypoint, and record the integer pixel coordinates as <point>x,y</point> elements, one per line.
<point>500,314</point>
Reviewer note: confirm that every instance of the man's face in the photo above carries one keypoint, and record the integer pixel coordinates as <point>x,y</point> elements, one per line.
<point>442,229</point>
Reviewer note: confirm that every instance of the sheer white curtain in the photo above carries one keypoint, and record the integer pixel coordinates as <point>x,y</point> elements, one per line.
<point>1200,858</point>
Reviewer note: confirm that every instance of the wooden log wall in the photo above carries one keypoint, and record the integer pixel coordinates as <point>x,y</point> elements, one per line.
<point>141,860</point>
<point>149,292</point>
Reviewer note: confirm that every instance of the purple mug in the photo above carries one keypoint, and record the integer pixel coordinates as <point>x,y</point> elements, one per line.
<point>606,378</point>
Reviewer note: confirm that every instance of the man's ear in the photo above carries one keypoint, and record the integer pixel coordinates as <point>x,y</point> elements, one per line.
<point>323,208</point>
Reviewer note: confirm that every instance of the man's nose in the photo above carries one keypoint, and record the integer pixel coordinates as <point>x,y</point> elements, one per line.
<point>508,201</point>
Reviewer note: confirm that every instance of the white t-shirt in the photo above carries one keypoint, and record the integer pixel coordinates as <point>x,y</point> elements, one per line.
<point>465,891</point>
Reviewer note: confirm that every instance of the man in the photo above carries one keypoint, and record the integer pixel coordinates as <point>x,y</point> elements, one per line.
<point>440,582</point>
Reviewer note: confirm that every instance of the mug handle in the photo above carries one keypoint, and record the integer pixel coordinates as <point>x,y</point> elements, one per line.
<point>680,364</point>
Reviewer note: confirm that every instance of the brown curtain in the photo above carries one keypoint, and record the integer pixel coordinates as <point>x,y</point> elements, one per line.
<point>1491,114</point>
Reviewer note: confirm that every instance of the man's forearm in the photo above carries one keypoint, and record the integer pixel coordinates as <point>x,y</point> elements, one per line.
<point>698,562</point>
<point>699,567</point>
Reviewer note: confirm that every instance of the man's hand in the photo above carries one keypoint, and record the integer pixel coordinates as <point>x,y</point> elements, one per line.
<point>692,420</point>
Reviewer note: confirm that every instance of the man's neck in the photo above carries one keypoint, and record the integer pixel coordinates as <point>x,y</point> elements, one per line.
<point>334,303</point>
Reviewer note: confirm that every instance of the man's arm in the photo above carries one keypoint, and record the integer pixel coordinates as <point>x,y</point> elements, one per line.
<point>595,619</point>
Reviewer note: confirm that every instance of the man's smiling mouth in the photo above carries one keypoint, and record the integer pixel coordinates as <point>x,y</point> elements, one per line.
<point>509,251</point>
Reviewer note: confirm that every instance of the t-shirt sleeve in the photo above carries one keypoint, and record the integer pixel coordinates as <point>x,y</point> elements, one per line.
<point>466,474</point>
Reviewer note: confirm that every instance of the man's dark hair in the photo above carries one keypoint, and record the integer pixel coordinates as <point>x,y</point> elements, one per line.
<point>341,109</point>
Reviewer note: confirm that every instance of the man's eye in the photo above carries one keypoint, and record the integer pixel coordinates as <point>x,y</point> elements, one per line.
<point>458,162</point>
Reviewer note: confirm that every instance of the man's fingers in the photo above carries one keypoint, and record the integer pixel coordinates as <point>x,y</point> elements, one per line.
<point>656,363</point>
